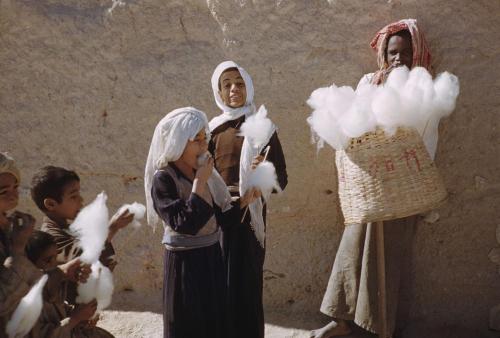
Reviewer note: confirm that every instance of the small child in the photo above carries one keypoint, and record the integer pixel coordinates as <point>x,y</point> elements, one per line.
<point>56,192</point>
<point>188,195</point>
<point>59,320</point>
<point>17,273</point>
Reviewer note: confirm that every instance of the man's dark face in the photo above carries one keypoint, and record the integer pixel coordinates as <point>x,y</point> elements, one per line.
<point>399,51</point>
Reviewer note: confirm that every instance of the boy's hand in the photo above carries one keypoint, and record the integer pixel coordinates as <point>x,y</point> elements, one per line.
<point>110,263</point>
<point>250,195</point>
<point>205,171</point>
<point>22,228</point>
<point>257,160</point>
<point>91,323</point>
<point>118,222</point>
<point>75,271</point>
<point>83,312</point>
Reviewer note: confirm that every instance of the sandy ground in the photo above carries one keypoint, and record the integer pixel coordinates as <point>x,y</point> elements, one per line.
<point>143,319</point>
<point>135,315</point>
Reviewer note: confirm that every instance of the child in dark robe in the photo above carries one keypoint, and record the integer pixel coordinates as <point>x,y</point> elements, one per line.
<point>188,196</point>
<point>244,243</point>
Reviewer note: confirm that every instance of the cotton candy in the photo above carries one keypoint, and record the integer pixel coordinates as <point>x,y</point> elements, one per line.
<point>138,209</point>
<point>27,312</point>
<point>264,178</point>
<point>407,99</point>
<point>258,128</point>
<point>99,286</point>
<point>91,228</point>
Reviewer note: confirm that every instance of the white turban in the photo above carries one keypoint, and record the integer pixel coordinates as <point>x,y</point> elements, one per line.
<point>169,141</point>
<point>229,113</point>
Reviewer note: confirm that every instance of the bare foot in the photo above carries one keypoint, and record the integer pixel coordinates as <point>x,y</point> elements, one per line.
<point>332,329</point>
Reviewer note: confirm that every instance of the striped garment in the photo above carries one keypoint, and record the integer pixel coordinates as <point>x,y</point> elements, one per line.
<point>421,54</point>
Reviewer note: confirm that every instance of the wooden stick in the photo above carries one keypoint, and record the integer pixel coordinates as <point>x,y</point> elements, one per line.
<point>246,208</point>
<point>382,300</point>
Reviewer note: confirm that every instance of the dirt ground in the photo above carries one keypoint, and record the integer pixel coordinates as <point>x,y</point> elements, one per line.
<point>143,319</point>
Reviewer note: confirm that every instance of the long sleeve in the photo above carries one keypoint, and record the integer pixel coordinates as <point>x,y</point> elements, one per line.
<point>230,217</point>
<point>277,157</point>
<point>17,276</point>
<point>51,324</point>
<point>183,216</point>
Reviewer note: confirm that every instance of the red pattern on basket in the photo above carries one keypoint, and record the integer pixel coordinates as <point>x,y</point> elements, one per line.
<point>389,165</point>
<point>409,156</point>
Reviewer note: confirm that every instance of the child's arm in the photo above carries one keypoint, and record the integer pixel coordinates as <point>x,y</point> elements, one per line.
<point>51,325</point>
<point>184,216</point>
<point>277,157</point>
<point>119,222</point>
<point>17,273</point>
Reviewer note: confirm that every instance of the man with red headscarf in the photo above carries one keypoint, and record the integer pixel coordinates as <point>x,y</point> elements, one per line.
<point>351,294</point>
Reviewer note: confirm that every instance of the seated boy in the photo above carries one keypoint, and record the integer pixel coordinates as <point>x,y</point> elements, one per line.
<point>56,192</point>
<point>58,319</point>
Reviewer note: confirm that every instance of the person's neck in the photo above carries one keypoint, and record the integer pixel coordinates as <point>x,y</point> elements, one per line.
<point>185,169</point>
<point>61,221</point>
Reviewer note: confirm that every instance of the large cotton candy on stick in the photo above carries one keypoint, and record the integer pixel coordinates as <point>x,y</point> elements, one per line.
<point>264,178</point>
<point>27,312</point>
<point>91,228</point>
<point>258,128</point>
<point>99,286</point>
<point>138,209</point>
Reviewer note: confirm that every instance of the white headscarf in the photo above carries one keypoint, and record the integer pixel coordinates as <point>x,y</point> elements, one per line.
<point>248,152</point>
<point>169,141</point>
<point>228,113</point>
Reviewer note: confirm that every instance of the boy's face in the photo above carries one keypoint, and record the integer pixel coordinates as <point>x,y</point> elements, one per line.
<point>233,91</point>
<point>9,196</point>
<point>194,149</point>
<point>71,202</point>
<point>47,259</point>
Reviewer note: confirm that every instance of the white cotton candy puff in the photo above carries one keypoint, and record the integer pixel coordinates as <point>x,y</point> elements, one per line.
<point>330,104</point>
<point>258,128</point>
<point>326,127</point>
<point>27,312</point>
<point>386,108</point>
<point>138,209</point>
<point>397,78</point>
<point>447,88</point>
<point>407,99</point>
<point>91,228</point>
<point>99,286</point>
<point>359,118</point>
<point>264,178</point>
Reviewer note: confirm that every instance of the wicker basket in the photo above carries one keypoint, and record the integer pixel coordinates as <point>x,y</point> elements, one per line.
<point>383,178</point>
